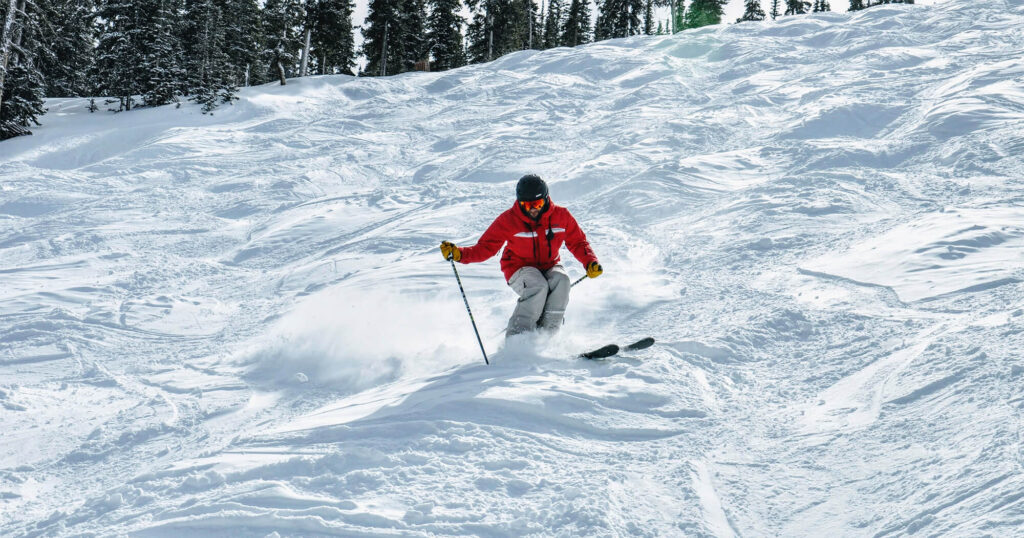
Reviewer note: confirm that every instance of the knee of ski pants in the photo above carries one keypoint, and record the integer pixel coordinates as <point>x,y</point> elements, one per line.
<point>528,282</point>
<point>557,278</point>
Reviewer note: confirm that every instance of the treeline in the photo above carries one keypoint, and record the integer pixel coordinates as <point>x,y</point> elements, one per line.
<point>155,52</point>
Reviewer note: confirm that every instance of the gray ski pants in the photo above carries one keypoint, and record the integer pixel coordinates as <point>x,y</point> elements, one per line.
<point>542,299</point>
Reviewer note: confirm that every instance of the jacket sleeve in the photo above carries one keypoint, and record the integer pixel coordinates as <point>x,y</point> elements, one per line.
<point>490,242</point>
<point>576,241</point>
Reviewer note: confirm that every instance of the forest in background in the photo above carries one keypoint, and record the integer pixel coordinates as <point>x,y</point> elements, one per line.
<point>123,54</point>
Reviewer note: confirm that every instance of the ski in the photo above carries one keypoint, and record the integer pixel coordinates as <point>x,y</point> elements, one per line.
<point>601,352</point>
<point>642,343</point>
<point>612,349</point>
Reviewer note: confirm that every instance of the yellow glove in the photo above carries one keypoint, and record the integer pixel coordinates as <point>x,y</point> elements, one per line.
<point>450,251</point>
<point>594,270</point>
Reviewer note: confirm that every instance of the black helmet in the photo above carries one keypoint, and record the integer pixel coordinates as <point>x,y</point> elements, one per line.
<point>531,187</point>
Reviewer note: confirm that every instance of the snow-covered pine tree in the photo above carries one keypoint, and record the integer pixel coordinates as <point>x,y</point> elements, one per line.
<point>382,30</point>
<point>821,5</point>
<point>21,84</point>
<point>242,37</point>
<point>703,13</point>
<point>536,26</point>
<point>138,52</point>
<point>576,29</point>
<point>162,72</point>
<point>22,100</point>
<point>119,51</point>
<point>775,9</point>
<point>618,18</point>
<point>444,32</point>
<point>210,76</point>
<point>11,21</point>
<point>333,42</point>
<point>480,32</point>
<point>797,7</point>
<point>856,5</point>
<point>500,27</point>
<point>553,22</point>
<point>678,15</point>
<point>649,17</point>
<point>520,19</point>
<point>415,47</point>
<point>66,55</point>
<point>282,37</point>
<point>752,11</point>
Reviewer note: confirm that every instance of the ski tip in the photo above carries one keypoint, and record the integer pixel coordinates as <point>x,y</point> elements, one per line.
<point>643,343</point>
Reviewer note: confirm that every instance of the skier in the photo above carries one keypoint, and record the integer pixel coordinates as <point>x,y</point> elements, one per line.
<point>533,231</point>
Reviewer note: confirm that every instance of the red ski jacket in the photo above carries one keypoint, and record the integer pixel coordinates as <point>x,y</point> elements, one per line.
<point>530,243</point>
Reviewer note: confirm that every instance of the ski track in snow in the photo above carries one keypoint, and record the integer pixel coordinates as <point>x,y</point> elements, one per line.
<point>239,324</point>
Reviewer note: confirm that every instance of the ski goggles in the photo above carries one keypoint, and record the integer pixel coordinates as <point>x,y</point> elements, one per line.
<point>532,204</point>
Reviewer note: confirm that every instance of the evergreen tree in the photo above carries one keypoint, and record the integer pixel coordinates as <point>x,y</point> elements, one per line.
<point>856,5</point>
<point>444,32</point>
<point>333,39</point>
<point>414,42</point>
<point>119,48</point>
<point>393,39</point>
<point>333,44</point>
<point>138,52</point>
<point>500,27</point>
<point>21,83</point>
<point>752,11</point>
<point>381,31</point>
<point>162,71</point>
<point>618,18</point>
<point>242,37</point>
<point>282,20</point>
<point>821,5</point>
<point>649,17</point>
<point>22,100</point>
<point>553,22</point>
<point>576,30</point>
<point>480,32</point>
<point>797,7</point>
<point>678,16</point>
<point>66,57</point>
<point>211,79</point>
<point>703,13</point>
<point>775,9</point>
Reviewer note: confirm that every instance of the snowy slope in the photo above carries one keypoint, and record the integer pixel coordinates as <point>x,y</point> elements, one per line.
<point>240,324</point>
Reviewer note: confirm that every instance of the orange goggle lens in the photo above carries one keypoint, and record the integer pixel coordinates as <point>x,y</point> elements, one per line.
<point>533,204</point>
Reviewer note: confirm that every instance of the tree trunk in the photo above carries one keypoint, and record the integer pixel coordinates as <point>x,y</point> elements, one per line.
<point>305,54</point>
<point>280,71</point>
<point>384,52</point>
<point>5,44</point>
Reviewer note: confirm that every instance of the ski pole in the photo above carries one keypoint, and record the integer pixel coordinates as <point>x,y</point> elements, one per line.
<point>580,279</point>
<point>465,300</point>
